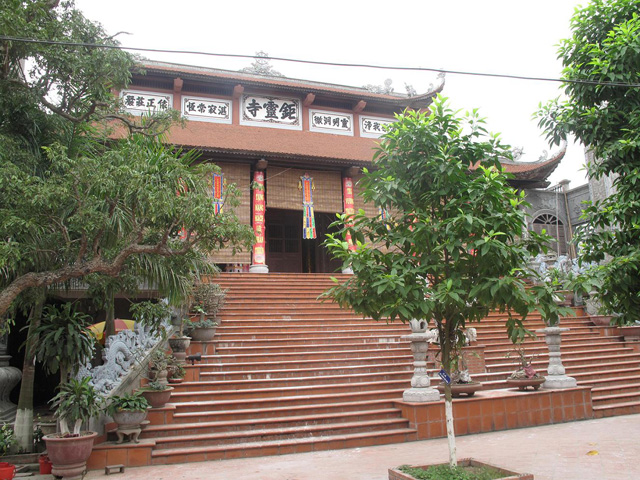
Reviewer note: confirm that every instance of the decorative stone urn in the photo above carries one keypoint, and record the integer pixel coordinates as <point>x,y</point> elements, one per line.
<point>9,378</point>
<point>421,390</point>
<point>556,377</point>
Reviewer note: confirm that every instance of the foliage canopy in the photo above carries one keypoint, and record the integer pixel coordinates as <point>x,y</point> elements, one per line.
<point>605,47</point>
<point>75,200</point>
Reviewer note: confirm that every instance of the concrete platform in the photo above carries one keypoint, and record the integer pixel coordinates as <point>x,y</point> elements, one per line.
<point>602,449</point>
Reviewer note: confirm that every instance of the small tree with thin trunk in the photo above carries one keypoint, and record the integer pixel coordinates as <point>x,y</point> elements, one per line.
<point>452,246</point>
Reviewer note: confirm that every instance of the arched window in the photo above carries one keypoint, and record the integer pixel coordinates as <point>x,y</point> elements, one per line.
<point>553,227</point>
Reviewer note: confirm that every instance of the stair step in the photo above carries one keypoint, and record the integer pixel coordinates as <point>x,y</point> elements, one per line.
<point>614,409</point>
<point>260,394</point>
<point>236,424</point>
<point>280,434</point>
<point>226,374</point>
<point>280,447</point>
<point>298,381</point>
<point>274,411</point>
<point>292,400</point>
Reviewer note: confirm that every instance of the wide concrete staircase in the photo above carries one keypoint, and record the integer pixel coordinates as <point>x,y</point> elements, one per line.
<point>287,373</point>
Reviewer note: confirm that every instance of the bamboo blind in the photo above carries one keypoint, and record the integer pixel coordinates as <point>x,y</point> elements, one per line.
<point>370,209</point>
<point>282,189</point>
<point>240,174</point>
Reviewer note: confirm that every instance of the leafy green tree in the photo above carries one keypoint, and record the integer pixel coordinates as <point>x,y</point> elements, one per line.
<point>453,248</point>
<point>75,200</point>
<point>602,73</point>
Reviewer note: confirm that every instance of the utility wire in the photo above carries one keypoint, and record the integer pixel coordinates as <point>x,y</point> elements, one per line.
<point>316,62</point>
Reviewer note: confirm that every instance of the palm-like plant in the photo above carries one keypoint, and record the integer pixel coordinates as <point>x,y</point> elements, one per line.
<point>64,341</point>
<point>76,402</point>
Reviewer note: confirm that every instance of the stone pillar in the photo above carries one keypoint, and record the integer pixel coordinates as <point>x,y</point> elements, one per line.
<point>421,390</point>
<point>9,378</point>
<point>556,377</point>
<point>258,218</point>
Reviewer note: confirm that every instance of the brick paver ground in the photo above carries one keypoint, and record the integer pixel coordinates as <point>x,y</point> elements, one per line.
<point>604,449</point>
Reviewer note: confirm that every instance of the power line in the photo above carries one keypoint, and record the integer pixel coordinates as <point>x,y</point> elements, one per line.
<point>316,62</point>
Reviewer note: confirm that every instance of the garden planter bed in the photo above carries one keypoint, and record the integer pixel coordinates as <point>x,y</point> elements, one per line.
<point>396,474</point>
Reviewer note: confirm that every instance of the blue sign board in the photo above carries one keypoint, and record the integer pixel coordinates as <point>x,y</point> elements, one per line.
<point>443,375</point>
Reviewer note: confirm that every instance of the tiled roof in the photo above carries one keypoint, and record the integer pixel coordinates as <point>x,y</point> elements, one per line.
<point>290,84</point>
<point>273,142</point>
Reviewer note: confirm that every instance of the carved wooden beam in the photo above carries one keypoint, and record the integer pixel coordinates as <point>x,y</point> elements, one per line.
<point>261,164</point>
<point>177,85</point>
<point>360,106</point>
<point>352,171</point>
<point>309,99</point>
<point>237,91</point>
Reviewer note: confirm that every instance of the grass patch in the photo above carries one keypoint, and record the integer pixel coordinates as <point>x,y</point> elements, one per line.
<point>445,472</point>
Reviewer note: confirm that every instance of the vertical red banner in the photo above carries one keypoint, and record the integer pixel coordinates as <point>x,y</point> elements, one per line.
<point>259,209</point>
<point>349,207</point>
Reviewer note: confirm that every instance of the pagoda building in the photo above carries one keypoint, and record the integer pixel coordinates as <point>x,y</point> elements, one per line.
<point>294,149</point>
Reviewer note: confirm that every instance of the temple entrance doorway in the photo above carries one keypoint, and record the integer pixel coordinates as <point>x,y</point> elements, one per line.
<point>288,252</point>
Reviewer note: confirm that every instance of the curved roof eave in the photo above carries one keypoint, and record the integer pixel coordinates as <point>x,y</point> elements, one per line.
<point>300,86</point>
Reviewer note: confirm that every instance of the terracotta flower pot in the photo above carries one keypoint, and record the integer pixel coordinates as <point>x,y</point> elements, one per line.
<point>203,334</point>
<point>524,383</point>
<point>601,320</point>
<point>459,389</point>
<point>69,455</point>
<point>157,398</point>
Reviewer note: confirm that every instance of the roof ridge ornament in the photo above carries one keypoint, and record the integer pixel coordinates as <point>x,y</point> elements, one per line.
<point>261,66</point>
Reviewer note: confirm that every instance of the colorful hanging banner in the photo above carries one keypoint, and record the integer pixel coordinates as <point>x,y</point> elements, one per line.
<point>349,207</point>
<point>258,218</point>
<point>218,186</point>
<point>308,219</point>
<point>384,216</point>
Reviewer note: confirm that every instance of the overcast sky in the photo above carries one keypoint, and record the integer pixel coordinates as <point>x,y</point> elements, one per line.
<point>493,36</point>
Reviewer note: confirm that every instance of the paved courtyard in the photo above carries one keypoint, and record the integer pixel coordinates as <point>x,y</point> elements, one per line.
<point>604,449</point>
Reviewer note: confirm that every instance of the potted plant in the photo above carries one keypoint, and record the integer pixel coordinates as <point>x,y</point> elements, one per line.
<point>156,393</point>
<point>7,440</point>
<point>128,410</point>
<point>525,375</point>
<point>157,369</point>
<point>560,281</point>
<point>460,380</point>
<point>176,371</point>
<point>208,300</point>
<point>69,450</point>
<point>203,330</point>
<point>179,342</point>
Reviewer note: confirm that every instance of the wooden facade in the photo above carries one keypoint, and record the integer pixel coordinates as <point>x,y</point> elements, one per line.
<point>302,139</point>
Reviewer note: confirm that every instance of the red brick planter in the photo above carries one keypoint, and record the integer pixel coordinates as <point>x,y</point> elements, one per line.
<point>395,474</point>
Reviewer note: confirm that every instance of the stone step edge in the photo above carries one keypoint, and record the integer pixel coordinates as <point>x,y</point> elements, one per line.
<point>612,406</point>
<point>278,443</point>
<point>248,422</point>
<point>215,383</point>
<point>289,408</point>
<point>279,431</point>
<point>294,398</point>
<point>285,389</point>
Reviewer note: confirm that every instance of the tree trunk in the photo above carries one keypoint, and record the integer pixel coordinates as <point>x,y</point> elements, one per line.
<point>451,437</point>
<point>109,321</point>
<point>448,403</point>
<point>24,415</point>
